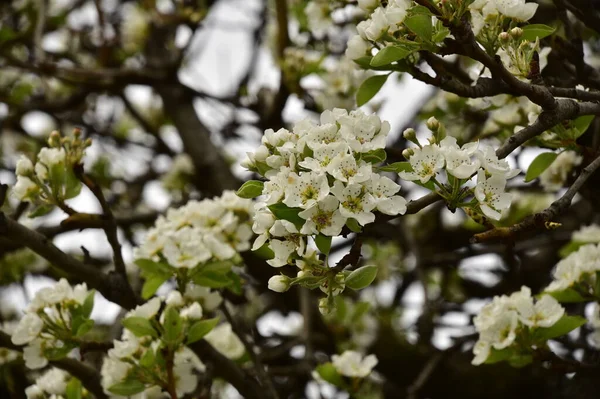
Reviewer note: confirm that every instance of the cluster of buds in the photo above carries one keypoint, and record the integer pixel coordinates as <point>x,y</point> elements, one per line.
<point>51,180</point>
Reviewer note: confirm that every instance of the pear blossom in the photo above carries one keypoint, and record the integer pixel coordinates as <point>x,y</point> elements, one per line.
<point>516,9</point>
<point>425,162</point>
<point>28,329</point>
<point>589,234</point>
<point>492,165</point>
<point>555,175</point>
<point>345,168</point>
<point>353,364</point>
<point>382,189</point>
<point>323,155</point>
<point>363,132</point>
<point>25,188</point>
<point>458,160</point>
<point>491,196</point>
<point>307,189</point>
<point>570,270</point>
<point>357,47</point>
<point>324,217</point>
<point>24,166</point>
<point>545,313</point>
<point>355,202</point>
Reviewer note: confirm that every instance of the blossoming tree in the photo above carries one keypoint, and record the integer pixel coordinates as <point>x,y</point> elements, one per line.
<point>296,238</point>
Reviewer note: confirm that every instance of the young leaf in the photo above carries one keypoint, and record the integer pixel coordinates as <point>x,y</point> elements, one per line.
<point>282,211</point>
<point>539,165</point>
<point>73,389</point>
<point>533,31</point>
<point>390,54</point>
<point>329,373</point>
<point>139,326</point>
<point>499,355</point>
<point>127,388</point>
<point>568,295</point>
<point>173,325</point>
<point>420,25</point>
<point>199,329</point>
<point>152,284</point>
<point>88,304</point>
<point>353,225</point>
<point>564,326</point>
<point>84,328</point>
<point>369,88</point>
<point>211,279</point>
<point>581,124</point>
<point>396,167</point>
<point>250,189</point>
<point>323,243</point>
<point>361,277</point>
<point>147,359</point>
<point>150,267</point>
<point>375,156</point>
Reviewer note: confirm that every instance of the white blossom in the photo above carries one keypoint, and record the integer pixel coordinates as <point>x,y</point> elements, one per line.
<point>491,196</point>
<point>307,190</point>
<point>357,47</point>
<point>193,311</point>
<point>324,217</point>
<point>225,341</point>
<point>279,283</point>
<point>383,189</point>
<point>352,364</point>
<point>589,234</point>
<point>490,162</point>
<point>516,9</point>
<point>425,162</point>
<point>24,166</point>
<point>345,168</point>
<point>555,175</point>
<point>458,160</point>
<point>24,188</point>
<point>28,329</point>
<point>355,202</point>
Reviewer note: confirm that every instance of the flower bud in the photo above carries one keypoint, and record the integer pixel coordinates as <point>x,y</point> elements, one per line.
<point>433,124</point>
<point>504,37</point>
<point>279,283</point>
<point>24,166</point>
<point>516,33</point>
<point>54,139</point>
<point>407,153</point>
<point>410,135</point>
<point>325,306</point>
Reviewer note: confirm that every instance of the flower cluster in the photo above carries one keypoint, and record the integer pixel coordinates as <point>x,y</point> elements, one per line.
<point>187,239</point>
<point>340,82</point>
<point>577,271</point>
<point>485,13</point>
<point>353,364</point>
<point>460,164</point>
<point>52,384</point>
<point>506,323</point>
<point>54,321</point>
<point>51,180</point>
<point>178,175</point>
<point>382,21</point>
<point>320,177</point>
<point>150,340</point>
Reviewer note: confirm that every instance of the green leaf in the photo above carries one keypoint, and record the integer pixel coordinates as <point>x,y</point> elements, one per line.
<point>211,279</point>
<point>139,326</point>
<point>282,211</point>
<point>265,252</point>
<point>148,358</point>
<point>323,243</point>
<point>173,325</point>
<point>127,388</point>
<point>369,88</point>
<point>84,328</point>
<point>564,326</point>
<point>361,277</point>
<point>539,165</point>
<point>499,355</point>
<point>73,389</point>
<point>152,284</point>
<point>328,372</point>
<point>236,285</point>
<point>519,361</point>
<point>569,248</point>
<point>353,225</point>
<point>149,267</point>
<point>41,210</point>
<point>390,54</point>
<point>581,124</point>
<point>375,156</point>
<point>199,329</point>
<point>57,353</point>
<point>533,31</point>
<point>250,189</point>
<point>597,285</point>
<point>88,304</point>
<point>420,25</point>
<point>397,167</point>
<point>310,282</point>
<point>568,295</point>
